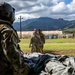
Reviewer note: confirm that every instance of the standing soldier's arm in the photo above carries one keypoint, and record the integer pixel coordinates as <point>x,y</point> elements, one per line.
<point>44,39</point>
<point>31,40</point>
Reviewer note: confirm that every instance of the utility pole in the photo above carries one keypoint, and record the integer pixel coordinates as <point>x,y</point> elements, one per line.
<point>20,27</point>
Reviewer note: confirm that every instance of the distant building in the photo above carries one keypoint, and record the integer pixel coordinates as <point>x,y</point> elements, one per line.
<point>53,34</point>
<point>48,34</point>
<point>68,35</point>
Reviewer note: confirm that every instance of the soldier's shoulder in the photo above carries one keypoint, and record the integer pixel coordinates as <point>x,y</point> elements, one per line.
<point>42,34</point>
<point>1,26</point>
<point>4,26</point>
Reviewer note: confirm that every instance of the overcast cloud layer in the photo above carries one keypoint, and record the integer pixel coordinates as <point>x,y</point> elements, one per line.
<point>43,8</point>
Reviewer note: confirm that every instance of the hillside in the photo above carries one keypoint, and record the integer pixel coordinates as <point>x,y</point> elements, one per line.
<point>44,23</point>
<point>70,27</point>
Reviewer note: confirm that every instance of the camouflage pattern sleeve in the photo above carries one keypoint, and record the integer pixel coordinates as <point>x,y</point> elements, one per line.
<point>42,36</point>
<point>9,42</point>
<point>30,45</point>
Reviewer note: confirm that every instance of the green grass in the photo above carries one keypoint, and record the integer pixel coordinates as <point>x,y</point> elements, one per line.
<point>24,47</point>
<point>53,45</point>
<point>62,40</point>
<point>59,46</point>
<point>25,41</point>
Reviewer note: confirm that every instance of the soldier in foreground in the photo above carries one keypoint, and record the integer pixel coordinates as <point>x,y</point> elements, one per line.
<point>11,57</point>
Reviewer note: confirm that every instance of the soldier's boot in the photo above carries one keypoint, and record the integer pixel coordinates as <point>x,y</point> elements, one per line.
<point>41,50</point>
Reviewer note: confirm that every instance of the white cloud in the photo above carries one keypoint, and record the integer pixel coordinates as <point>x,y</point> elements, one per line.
<point>55,1</point>
<point>59,8</point>
<point>40,8</point>
<point>25,16</point>
<point>71,6</point>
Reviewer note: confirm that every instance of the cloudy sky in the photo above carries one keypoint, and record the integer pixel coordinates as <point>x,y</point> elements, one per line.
<point>43,8</point>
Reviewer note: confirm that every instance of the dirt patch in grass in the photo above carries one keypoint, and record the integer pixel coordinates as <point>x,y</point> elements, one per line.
<point>57,52</point>
<point>62,52</point>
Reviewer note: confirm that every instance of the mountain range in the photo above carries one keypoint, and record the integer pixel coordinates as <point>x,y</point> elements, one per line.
<point>44,23</point>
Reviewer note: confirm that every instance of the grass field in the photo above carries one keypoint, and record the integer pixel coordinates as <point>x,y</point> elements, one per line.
<point>55,46</point>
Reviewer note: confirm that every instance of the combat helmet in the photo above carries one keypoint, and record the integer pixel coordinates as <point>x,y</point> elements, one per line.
<point>7,12</point>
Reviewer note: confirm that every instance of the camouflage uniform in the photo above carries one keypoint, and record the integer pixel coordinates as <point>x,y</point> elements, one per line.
<point>35,43</point>
<point>11,58</point>
<point>42,37</point>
